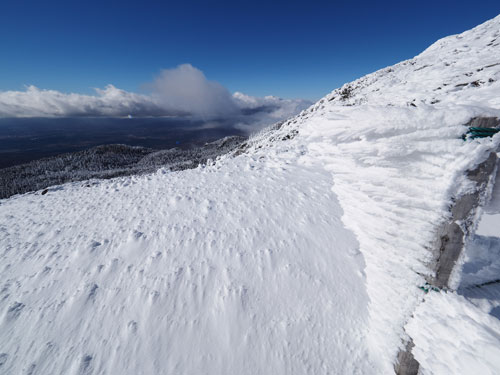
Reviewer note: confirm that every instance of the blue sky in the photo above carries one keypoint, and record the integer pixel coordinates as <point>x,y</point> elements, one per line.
<point>284,48</point>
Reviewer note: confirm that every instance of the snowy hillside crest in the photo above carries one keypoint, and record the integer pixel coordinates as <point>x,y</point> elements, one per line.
<point>300,252</point>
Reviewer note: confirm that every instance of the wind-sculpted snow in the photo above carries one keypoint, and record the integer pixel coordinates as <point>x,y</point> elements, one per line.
<point>300,252</point>
<point>452,336</point>
<point>392,143</point>
<point>459,332</point>
<point>242,267</point>
<point>395,186</point>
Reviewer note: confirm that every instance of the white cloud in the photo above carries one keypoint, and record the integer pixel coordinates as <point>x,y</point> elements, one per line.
<point>110,101</point>
<point>186,88</point>
<point>182,91</point>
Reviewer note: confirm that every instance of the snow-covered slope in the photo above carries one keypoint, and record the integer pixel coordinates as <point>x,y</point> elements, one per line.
<point>301,253</point>
<point>392,143</point>
<point>458,333</point>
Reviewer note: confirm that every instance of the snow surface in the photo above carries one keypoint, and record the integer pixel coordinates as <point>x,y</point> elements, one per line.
<point>303,254</point>
<point>459,332</point>
<point>192,272</point>
<point>452,336</point>
<point>489,225</point>
<point>397,160</point>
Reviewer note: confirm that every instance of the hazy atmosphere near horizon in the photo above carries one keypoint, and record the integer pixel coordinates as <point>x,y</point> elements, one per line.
<point>249,188</point>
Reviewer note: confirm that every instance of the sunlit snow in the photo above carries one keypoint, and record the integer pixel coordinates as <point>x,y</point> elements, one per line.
<point>301,253</point>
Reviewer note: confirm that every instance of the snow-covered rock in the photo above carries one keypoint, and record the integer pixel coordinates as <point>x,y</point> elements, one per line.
<point>300,253</point>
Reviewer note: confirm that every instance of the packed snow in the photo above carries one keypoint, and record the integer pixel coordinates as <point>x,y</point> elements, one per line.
<point>301,253</point>
<point>452,336</point>
<point>459,332</point>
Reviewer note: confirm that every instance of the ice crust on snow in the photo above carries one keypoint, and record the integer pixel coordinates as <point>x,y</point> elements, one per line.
<point>300,253</point>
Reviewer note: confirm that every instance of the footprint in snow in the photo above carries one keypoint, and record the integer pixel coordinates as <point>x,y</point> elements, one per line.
<point>94,245</point>
<point>15,310</point>
<point>132,326</point>
<point>92,292</point>
<point>137,235</point>
<point>86,365</point>
<point>3,358</point>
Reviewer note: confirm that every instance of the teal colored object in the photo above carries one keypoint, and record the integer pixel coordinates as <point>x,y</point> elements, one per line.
<point>474,133</point>
<point>427,287</point>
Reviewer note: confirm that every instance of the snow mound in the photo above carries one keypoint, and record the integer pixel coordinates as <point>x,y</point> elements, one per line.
<point>452,336</point>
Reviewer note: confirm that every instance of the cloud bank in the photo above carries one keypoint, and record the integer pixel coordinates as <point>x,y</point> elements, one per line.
<point>182,91</point>
<point>110,101</point>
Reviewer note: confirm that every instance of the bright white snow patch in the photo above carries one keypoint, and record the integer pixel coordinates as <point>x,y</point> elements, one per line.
<point>452,336</point>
